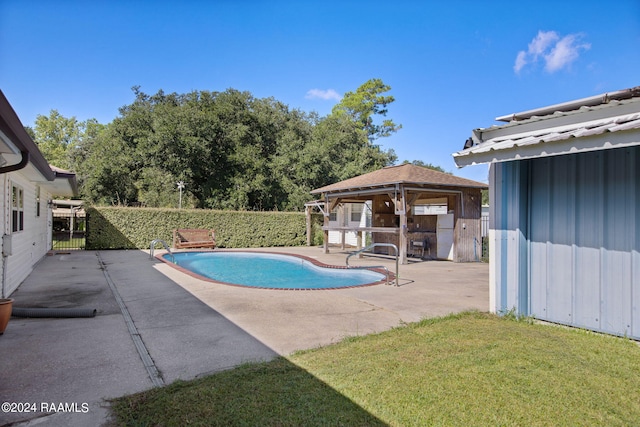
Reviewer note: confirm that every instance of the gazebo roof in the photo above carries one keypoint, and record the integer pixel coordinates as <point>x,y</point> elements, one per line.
<point>401,174</point>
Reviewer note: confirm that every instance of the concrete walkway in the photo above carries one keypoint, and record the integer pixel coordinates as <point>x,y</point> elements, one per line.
<point>66,369</point>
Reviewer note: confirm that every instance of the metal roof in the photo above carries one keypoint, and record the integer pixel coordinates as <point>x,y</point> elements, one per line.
<point>591,101</point>
<point>401,174</point>
<point>586,128</point>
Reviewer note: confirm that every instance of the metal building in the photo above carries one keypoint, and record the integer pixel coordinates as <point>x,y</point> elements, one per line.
<point>565,211</point>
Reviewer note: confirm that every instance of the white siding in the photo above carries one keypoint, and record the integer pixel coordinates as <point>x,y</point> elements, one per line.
<point>30,244</point>
<point>343,219</point>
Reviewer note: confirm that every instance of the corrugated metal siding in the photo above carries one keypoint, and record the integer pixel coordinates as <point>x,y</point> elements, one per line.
<point>589,222</point>
<point>551,237</point>
<point>507,237</point>
<point>583,239</point>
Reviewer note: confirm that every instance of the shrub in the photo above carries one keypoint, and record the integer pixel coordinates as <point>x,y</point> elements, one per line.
<point>129,228</point>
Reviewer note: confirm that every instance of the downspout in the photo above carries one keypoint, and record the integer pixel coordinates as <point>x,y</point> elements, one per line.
<point>5,254</point>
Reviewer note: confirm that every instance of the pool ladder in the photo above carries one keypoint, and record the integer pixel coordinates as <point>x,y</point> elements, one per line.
<point>153,245</point>
<point>373,245</point>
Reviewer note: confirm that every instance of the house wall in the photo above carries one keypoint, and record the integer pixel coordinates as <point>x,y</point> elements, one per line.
<point>565,239</point>
<point>343,219</point>
<point>30,244</point>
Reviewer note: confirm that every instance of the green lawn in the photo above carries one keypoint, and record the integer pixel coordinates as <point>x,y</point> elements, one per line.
<point>469,369</point>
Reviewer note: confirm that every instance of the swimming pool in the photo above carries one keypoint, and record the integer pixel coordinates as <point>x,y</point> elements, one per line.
<point>270,270</point>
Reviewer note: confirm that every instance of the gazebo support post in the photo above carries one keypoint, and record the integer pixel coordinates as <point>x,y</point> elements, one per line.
<point>325,231</point>
<point>398,197</point>
<point>401,210</point>
<point>307,214</point>
<point>403,239</point>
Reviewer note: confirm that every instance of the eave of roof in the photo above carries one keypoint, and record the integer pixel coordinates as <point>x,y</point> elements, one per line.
<point>13,129</point>
<point>400,174</point>
<point>588,128</point>
<point>64,184</point>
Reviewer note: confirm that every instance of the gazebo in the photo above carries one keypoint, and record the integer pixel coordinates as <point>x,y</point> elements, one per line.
<point>412,207</point>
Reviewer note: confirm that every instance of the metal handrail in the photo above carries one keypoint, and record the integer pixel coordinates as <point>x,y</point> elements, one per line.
<point>371,246</point>
<point>153,244</point>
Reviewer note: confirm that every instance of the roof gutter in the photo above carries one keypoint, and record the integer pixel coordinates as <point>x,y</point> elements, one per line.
<point>21,165</point>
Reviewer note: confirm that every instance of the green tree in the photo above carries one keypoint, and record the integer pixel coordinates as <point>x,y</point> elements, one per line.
<point>108,170</point>
<point>365,103</point>
<point>340,150</point>
<point>231,150</point>
<point>485,197</point>
<point>56,136</point>
<point>79,154</point>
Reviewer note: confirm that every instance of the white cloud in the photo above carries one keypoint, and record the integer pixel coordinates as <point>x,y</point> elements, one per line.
<point>521,61</point>
<point>564,52</point>
<point>323,94</point>
<point>541,42</point>
<point>556,52</point>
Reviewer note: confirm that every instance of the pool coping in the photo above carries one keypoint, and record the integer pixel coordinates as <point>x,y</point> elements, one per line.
<point>390,275</point>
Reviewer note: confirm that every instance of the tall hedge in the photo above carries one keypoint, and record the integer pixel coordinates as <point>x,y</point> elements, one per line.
<point>129,228</point>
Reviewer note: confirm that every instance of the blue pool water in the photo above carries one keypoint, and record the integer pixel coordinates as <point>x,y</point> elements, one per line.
<point>267,270</point>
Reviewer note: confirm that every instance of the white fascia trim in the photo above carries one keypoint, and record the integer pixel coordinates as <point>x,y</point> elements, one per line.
<point>607,141</point>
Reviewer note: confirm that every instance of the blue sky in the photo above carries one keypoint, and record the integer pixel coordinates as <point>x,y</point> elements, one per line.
<point>452,65</point>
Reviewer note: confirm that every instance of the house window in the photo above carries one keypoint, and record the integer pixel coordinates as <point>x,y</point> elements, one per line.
<point>17,209</point>
<point>333,215</point>
<point>37,201</point>
<point>356,212</point>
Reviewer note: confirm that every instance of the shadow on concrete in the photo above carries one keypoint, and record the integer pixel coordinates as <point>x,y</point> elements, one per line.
<point>88,360</point>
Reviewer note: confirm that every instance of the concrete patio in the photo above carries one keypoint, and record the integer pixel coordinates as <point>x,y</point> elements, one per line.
<point>190,327</point>
<point>287,321</point>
